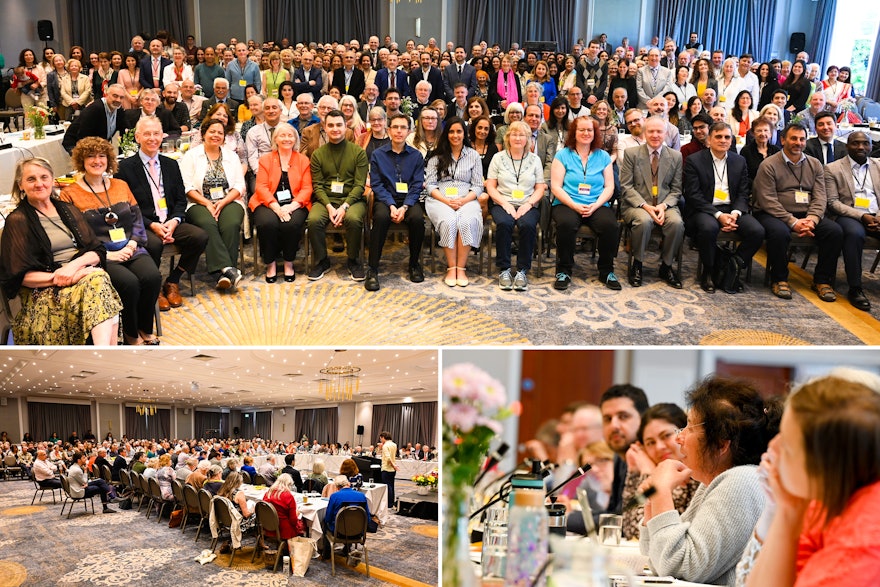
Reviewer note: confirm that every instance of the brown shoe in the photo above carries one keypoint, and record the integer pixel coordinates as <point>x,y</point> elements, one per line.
<point>172,293</point>
<point>164,306</point>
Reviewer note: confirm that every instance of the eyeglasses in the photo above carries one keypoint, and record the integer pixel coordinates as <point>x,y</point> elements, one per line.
<point>632,122</point>
<point>687,428</point>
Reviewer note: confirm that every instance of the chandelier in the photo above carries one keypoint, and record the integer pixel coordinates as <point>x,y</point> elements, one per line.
<point>339,383</point>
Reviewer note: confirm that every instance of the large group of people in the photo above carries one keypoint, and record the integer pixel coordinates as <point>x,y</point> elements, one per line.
<point>738,489</point>
<point>341,138</point>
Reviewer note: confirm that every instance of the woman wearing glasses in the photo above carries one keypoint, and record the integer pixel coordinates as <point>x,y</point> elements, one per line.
<point>50,256</point>
<point>729,427</point>
<point>113,213</point>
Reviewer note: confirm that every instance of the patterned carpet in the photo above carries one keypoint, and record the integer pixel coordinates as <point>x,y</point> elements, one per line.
<point>336,310</point>
<point>39,548</point>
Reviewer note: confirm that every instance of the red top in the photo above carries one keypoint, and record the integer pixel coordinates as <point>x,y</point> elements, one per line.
<point>299,177</point>
<point>285,505</point>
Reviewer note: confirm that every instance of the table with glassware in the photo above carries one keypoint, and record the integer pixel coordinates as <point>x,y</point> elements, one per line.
<point>49,148</point>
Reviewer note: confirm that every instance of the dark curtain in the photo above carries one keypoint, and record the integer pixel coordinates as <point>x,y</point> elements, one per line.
<point>733,26</point>
<point>505,22</point>
<point>823,25</point>
<point>106,25</point>
<point>263,424</point>
<point>213,421</point>
<point>153,427</point>
<point>62,419</point>
<point>416,422</point>
<point>248,425</point>
<point>873,88</point>
<point>304,21</point>
<point>321,424</point>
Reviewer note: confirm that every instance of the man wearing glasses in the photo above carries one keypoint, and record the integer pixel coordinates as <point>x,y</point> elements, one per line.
<point>635,124</point>
<point>350,79</point>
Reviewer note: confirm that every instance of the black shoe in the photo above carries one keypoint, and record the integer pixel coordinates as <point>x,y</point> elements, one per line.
<point>706,284</point>
<point>667,274</point>
<point>272,279</point>
<point>416,275</point>
<point>372,281</point>
<point>356,271</point>
<point>635,274</point>
<point>562,281</point>
<point>289,278</point>
<point>319,270</point>
<point>858,299</point>
<point>611,282</point>
<point>338,243</point>
<point>109,510</point>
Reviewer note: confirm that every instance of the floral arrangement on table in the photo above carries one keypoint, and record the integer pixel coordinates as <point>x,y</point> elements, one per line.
<point>848,114</point>
<point>430,480</point>
<point>127,145</point>
<point>474,404</point>
<point>406,106</point>
<point>38,116</point>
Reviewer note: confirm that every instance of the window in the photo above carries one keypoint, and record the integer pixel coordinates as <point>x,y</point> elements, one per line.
<point>852,42</point>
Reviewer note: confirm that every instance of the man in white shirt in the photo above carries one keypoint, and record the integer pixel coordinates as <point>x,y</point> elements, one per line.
<point>45,472</point>
<point>749,79</point>
<point>192,101</point>
<point>635,123</point>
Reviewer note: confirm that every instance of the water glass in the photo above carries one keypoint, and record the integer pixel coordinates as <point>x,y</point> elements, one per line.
<point>610,529</point>
<point>494,555</point>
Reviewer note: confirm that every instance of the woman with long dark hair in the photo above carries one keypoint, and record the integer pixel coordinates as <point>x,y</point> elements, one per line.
<point>767,84</point>
<point>798,87</point>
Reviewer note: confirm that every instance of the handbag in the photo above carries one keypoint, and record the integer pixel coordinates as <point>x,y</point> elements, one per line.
<point>302,551</point>
<point>176,519</point>
<point>125,504</point>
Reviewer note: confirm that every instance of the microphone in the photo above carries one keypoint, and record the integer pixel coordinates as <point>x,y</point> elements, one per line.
<point>504,492</point>
<point>640,498</point>
<point>494,458</point>
<point>581,471</point>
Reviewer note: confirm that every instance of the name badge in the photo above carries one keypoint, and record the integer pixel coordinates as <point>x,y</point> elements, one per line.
<point>722,98</point>
<point>401,187</point>
<point>863,203</point>
<point>801,197</point>
<point>242,83</point>
<point>162,204</point>
<point>721,197</point>
<point>518,195</point>
<point>336,187</point>
<point>283,196</point>
<point>654,191</point>
<point>451,192</point>
<point>117,235</point>
<point>584,189</point>
<point>217,193</point>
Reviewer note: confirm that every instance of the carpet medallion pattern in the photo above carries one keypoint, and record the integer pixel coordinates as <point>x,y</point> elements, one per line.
<point>12,574</point>
<point>120,568</point>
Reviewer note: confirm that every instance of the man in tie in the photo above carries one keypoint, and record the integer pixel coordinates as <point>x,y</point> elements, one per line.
<point>652,79</point>
<point>790,199</point>
<point>650,184</point>
<point>306,78</point>
<point>258,140</point>
<point>373,52</point>
<point>390,77</point>
<point>371,99</point>
<point>460,72</point>
<point>543,144</point>
<point>151,67</point>
<point>852,183</point>
<point>157,186</point>
<point>823,147</point>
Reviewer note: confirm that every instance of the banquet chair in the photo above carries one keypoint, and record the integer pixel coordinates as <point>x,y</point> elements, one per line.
<point>191,506</point>
<point>313,486</point>
<point>41,490</point>
<point>13,110</point>
<point>225,522</point>
<point>245,477</point>
<point>144,493</point>
<point>157,499</point>
<point>351,528</point>
<point>260,480</point>
<point>65,485</point>
<point>204,509</point>
<point>134,483</point>
<point>490,229</point>
<point>11,467</point>
<point>268,528</point>
<point>179,500</point>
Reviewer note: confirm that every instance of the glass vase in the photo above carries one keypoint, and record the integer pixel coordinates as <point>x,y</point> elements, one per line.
<point>457,569</point>
<point>39,132</point>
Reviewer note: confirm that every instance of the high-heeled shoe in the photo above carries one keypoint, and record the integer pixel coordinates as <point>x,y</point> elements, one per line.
<point>450,281</point>
<point>272,279</point>
<point>289,278</point>
<point>461,281</point>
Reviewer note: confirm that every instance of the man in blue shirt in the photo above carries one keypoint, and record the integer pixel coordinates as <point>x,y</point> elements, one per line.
<point>343,496</point>
<point>241,73</point>
<point>397,174</point>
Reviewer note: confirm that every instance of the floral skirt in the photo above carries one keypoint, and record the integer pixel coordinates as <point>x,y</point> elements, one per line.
<point>65,315</point>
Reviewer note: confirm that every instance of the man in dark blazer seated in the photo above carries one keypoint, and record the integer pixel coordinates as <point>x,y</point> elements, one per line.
<point>716,188</point>
<point>430,74</point>
<point>102,118</point>
<point>823,147</point>
<point>852,184</point>
<point>221,94</point>
<point>308,79</point>
<point>349,79</point>
<point>160,194</point>
<point>459,71</point>
<point>152,66</point>
<point>389,75</point>
<point>371,99</point>
<point>149,100</point>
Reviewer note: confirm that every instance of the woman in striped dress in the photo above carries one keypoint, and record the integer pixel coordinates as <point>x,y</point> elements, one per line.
<point>455,183</point>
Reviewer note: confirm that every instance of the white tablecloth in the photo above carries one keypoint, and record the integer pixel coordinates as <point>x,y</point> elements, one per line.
<point>312,512</point>
<point>49,148</point>
<point>407,468</point>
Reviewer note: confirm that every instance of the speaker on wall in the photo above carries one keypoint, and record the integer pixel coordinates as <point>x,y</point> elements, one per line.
<point>360,429</point>
<point>797,42</point>
<point>283,412</point>
<point>45,31</point>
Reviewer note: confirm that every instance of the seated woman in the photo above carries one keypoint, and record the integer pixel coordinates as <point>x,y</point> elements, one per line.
<point>50,256</point>
<point>505,86</point>
<point>214,183</point>
<point>318,473</point>
<point>440,107</point>
<point>741,116</point>
<point>281,496</point>
<point>476,107</point>
<point>821,524</point>
<point>377,136</point>
<point>601,111</point>
<point>835,90</point>
<point>231,140</point>
<point>454,181</point>
<point>165,475</point>
<point>247,466</point>
<point>598,483</point>
<point>350,469</point>
<point>685,121</point>
<point>535,95</point>
<point>215,480</point>
<point>515,184</point>
<point>760,148</point>
<point>729,427</point>
<point>513,113</point>
<point>231,491</point>
<point>541,75</point>
<point>353,120</point>
<point>282,200</point>
<point>582,184</point>
<point>773,114</point>
<point>557,126</point>
<point>656,443</point>
<point>424,136</point>
<point>111,210</point>
<point>482,136</point>
<point>152,468</point>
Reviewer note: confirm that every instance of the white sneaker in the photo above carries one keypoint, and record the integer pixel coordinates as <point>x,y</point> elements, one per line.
<point>505,280</point>
<point>520,281</point>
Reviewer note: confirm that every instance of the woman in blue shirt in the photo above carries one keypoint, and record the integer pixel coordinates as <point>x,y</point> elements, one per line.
<point>582,184</point>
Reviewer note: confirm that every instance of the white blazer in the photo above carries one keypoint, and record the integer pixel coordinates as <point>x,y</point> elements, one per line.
<point>194,166</point>
<point>168,75</point>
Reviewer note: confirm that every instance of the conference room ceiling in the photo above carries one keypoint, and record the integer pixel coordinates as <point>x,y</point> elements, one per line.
<point>214,378</point>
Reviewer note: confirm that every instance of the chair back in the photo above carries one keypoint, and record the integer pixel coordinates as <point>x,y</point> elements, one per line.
<point>154,490</point>
<point>10,460</point>
<point>313,486</point>
<point>124,478</point>
<point>204,502</point>
<point>351,524</point>
<point>13,99</point>
<point>191,499</point>
<point>260,480</point>
<point>267,517</point>
<point>177,490</point>
<point>221,511</point>
<point>106,475</point>
<point>65,485</point>
<point>145,485</point>
<point>245,477</point>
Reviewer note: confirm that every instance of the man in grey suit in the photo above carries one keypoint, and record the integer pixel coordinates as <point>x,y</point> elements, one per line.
<point>650,183</point>
<point>80,486</point>
<point>851,186</point>
<point>652,79</point>
<point>543,144</point>
<point>823,147</point>
<point>459,71</point>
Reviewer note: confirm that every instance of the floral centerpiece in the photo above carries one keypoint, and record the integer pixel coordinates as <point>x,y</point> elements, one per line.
<point>406,106</point>
<point>473,406</point>
<point>38,117</point>
<point>848,114</point>
<point>428,481</point>
<point>127,145</point>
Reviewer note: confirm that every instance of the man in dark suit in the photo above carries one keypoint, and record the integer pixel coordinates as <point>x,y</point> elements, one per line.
<point>152,66</point>
<point>178,109</point>
<point>307,79</point>
<point>371,100</point>
<point>389,76</point>
<point>157,186</point>
<point>851,185</point>
<point>460,72</point>
<point>716,188</point>
<point>349,79</point>
<point>102,118</point>
<point>150,107</point>
<point>221,94</point>
<point>650,184</point>
<point>824,147</point>
<point>428,73</point>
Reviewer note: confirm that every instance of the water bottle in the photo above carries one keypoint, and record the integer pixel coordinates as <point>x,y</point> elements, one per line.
<point>286,563</point>
<point>527,540</point>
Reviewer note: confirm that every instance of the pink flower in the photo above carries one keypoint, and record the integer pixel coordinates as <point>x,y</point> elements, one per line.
<point>460,416</point>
